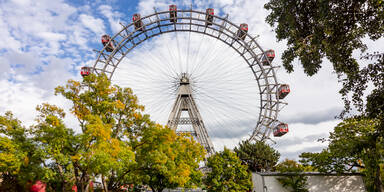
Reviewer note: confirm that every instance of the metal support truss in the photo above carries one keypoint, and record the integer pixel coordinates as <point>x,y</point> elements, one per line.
<point>222,29</point>
<point>185,102</point>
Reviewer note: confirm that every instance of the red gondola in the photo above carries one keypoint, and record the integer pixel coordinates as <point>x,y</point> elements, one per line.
<point>209,13</point>
<point>136,18</point>
<point>85,71</point>
<point>107,43</point>
<point>269,56</point>
<point>242,32</point>
<point>283,91</point>
<point>280,130</point>
<point>173,13</point>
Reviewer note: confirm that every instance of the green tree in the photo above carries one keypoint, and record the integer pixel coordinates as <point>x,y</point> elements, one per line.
<point>257,155</point>
<point>18,162</point>
<point>332,29</point>
<point>227,173</point>
<point>352,148</point>
<point>294,180</point>
<point>106,115</point>
<point>57,144</point>
<point>166,160</point>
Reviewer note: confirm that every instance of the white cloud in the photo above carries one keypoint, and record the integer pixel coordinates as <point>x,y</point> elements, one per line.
<point>112,16</point>
<point>43,42</point>
<point>96,25</point>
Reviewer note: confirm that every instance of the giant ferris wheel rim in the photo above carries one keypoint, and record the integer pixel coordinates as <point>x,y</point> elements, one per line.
<point>156,24</point>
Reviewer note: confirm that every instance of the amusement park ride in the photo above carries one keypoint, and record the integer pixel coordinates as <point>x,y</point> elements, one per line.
<point>206,23</point>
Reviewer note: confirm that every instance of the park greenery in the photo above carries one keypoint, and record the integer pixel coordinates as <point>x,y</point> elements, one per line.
<point>227,173</point>
<point>116,144</point>
<point>293,179</point>
<point>258,155</point>
<point>315,30</point>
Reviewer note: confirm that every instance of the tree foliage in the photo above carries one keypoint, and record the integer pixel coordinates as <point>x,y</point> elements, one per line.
<point>227,173</point>
<point>334,30</point>
<point>294,180</point>
<point>166,160</point>
<point>115,142</point>
<point>258,155</point>
<point>330,29</point>
<point>18,162</point>
<point>352,147</point>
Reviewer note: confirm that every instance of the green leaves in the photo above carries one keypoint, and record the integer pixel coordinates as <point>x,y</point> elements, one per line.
<point>167,160</point>
<point>331,29</point>
<point>316,29</point>
<point>257,155</point>
<point>227,173</point>
<point>294,180</point>
<point>353,146</point>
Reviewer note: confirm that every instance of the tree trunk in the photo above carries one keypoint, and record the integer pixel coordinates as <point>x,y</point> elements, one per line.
<point>378,181</point>
<point>104,183</point>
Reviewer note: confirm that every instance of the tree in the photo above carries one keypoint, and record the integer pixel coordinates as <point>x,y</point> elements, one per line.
<point>57,143</point>
<point>257,155</point>
<point>352,147</point>
<point>18,162</point>
<point>332,29</point>
<point>294,179</point>
<point>106,114</point>
<point>227,173</point>
<point>166,160</point>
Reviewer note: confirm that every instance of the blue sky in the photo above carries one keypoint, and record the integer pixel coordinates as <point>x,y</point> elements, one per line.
<point>46,42</point>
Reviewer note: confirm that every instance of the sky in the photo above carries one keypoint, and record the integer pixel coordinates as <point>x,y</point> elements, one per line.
<point>46,42</point>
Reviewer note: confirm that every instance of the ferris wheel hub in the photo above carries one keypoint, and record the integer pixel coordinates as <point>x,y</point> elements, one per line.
<point>184,80</point>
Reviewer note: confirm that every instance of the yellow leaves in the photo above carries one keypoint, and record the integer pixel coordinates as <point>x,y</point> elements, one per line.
<point>50,114</point>
<point>75,158</point>
<point>119,105</point>
<point>26,160</point>
<point>96,128</point>
<point>115,148</point>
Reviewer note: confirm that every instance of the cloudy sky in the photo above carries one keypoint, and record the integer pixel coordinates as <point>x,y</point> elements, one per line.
<point>45,43</point>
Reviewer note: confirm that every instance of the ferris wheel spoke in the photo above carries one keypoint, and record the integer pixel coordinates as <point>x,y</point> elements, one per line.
<point>203,58</point>
<point>196,55</point>
<point>187,58</point>
<point>223,102</point>
<point>211,71</point>
<point>179,53</point>
<point>168,71</point>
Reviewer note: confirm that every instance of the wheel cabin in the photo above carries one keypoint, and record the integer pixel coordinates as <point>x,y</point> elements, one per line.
<point>283,91</point>
<point>85,71</point>
<point>136,19</point>
<point>173,13</point>
<point>242,32</point>
<point>209,13</point>
<point>280,130</point>
<point>107,43</point>
<point>268,57</point>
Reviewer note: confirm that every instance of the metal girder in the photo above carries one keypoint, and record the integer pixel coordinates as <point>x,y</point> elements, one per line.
<point>185,102</point>
<point>222,29</point>
<point>183,121</point>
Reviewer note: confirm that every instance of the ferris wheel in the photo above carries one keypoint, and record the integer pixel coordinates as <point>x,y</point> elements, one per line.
<point>196,72</point>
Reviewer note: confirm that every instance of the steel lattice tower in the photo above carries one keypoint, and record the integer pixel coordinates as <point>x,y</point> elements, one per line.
<point>185,102</point>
